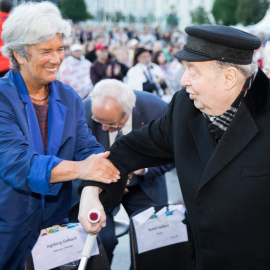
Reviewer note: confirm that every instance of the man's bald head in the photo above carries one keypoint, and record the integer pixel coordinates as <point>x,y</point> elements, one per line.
<point>112,103</point>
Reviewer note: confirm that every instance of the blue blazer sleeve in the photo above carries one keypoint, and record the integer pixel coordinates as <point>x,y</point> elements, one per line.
<point>86,143</point>
<point>20,166</point>
<point>154,172</point>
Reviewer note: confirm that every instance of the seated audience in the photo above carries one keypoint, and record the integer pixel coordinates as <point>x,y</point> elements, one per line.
<point>132,46</point>
<point>91,56</point>
<point>103,67</point>
<point>75,71</point>
<point>121,36</point>
<point>145,75</point>
<point>158,46</point>
<point>160,59</point>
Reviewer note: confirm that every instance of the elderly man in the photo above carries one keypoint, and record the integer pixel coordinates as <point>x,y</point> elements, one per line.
<point>75,71</point>
<point>217,129</point>
<point>44,139</point>
<point>116,110</point>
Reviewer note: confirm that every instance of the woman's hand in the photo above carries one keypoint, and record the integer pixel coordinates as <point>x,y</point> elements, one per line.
<point>98,168</point>
<point>95,168</point>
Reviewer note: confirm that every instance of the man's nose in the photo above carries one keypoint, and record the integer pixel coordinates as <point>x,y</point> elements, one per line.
<point>105,128</point>
<point>185,80</point>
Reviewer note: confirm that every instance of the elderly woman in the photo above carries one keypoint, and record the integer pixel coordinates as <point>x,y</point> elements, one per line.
<point>44,138</point>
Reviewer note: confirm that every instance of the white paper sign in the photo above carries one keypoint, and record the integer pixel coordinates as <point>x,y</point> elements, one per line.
<point>161,230</point>
<point>59,248</point>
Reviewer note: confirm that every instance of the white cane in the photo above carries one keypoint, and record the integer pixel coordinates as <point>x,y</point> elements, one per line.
<point>93,216</point>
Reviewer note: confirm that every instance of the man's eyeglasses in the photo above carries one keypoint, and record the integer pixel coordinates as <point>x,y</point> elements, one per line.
<point>93,117</point>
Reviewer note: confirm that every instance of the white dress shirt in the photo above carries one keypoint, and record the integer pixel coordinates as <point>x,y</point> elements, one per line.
<point>125,130</point>
<point>152,78</point>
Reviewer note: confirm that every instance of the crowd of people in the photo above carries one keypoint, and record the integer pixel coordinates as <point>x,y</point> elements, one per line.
<point>142,60</point>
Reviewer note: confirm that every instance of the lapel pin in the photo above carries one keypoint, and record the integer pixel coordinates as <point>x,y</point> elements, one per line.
<point>142,123</point>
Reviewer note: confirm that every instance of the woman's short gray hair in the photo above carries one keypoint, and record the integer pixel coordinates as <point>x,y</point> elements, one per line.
<point>116,90</point>
<point>31,24</point>
<point>246,70</point>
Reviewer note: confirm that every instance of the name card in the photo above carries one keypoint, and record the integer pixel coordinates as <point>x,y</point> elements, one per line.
<point>60,245</point>
<point>161,229</point>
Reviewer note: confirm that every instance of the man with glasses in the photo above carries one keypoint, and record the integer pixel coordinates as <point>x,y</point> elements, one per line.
<point>115,110</point>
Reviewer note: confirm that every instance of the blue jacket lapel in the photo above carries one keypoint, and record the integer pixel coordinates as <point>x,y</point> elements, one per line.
<point>57,117</point>
<point>34,131</point>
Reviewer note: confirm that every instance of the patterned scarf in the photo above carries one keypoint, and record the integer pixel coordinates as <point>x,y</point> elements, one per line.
<point>219,124</point>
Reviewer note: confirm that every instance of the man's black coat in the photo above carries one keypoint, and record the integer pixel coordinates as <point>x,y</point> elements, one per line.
<point>226,187</point>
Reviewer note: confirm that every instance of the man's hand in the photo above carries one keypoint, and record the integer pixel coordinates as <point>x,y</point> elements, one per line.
<point>98,168</point>
<point>139,172</point>
<point>89,200</point>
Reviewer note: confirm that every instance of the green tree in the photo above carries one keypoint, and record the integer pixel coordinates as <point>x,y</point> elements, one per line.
<point>151,18</point>
<point>118,17</point>
<point>74,10</point>
<point>143,19</point>
<point>108,16</point>
<point>131,18</point>
<point>172,20</point>
<point>251,11</point>
<point>100,15</point>
<point>199,16</point>
<point>224,11</point>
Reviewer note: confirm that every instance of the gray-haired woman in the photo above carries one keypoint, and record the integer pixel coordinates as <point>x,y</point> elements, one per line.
<point>44,138</point>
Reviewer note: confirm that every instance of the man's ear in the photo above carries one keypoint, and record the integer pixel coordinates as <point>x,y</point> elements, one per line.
<point>230,79</point>
<point>18,58</point>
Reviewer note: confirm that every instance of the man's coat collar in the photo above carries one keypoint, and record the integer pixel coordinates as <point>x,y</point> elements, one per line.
<point>240,132</point>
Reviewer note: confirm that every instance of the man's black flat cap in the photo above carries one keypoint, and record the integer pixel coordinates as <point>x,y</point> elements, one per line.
<point>217,42</point>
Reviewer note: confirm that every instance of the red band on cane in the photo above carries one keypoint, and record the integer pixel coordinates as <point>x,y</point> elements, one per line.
<point>94,215</point>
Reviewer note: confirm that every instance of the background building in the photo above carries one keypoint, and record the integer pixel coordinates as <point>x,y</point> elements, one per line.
<point>159,9</point>
<point>17,2</point>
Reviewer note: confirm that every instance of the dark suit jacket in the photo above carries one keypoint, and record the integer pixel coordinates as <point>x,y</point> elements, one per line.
<point>147,108</point>
<point>226,187</point>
